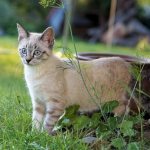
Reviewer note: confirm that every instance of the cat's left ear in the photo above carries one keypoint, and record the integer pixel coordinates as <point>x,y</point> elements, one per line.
<point>22,33</point>
<point>48,37</point>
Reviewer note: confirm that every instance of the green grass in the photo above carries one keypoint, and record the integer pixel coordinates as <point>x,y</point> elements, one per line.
<point>15,104</point>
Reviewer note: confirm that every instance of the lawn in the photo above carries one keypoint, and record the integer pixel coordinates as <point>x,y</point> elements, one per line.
<point>15,104</point>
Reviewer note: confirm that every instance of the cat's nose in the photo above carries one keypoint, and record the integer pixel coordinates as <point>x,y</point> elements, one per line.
<point>28,60</point>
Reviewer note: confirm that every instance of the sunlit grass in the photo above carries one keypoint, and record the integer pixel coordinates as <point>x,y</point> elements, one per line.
<point>8,44</point>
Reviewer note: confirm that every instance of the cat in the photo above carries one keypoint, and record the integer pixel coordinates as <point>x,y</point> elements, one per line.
<point>55,84</point>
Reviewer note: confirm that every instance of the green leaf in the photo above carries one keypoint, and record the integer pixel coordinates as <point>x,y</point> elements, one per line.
<point>69,116</point>
<point>118,143</point>
<point>46,3</point>
<point>133,146</point>
<point>66,122</point>
<point>71,111</point>
<point>51,3</point>
<point>105,135</point>
<point>112,123</point>
<point>126,127</point>
<point>102,128</point>
<point>109,106</point>
<point>95,120</point>
<point>127,124</point>
<point>135,119</point>
<point>81,122</point>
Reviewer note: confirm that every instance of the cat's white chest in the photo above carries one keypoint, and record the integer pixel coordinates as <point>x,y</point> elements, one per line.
<point>37,85</point>
<point>42,83</point>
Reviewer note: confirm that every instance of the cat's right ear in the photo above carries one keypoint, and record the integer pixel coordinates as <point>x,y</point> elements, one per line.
<point>22,33</point>
<point>48,37</point>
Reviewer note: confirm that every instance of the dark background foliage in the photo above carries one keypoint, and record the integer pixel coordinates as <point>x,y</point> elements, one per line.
<point>34,16</point>
<point>27,12</point>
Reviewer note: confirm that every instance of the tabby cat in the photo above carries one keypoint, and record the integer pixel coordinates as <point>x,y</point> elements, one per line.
<point>55,84</point>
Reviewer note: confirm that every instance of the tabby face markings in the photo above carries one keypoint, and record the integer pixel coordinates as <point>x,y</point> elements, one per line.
<point>31,55</point>
<point>34,48</point>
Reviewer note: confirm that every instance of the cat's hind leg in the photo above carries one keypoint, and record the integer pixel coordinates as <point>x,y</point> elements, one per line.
<point>123,108</point>
<point>120,110</point>
<point>54,109</point>
<point>38,115</point>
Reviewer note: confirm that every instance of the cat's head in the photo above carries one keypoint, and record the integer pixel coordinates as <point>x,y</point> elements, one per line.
<point>34,48</point>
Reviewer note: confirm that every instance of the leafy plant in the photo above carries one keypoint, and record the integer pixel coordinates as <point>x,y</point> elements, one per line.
<point>126,127</point>
<point>120,134</point>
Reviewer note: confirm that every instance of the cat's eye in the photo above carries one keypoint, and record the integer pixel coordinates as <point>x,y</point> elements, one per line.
<point>24,51</point>
<point>37,53</point>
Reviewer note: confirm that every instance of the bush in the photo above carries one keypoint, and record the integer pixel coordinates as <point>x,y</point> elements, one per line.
<point>6,13</point>
<point>27,12</point>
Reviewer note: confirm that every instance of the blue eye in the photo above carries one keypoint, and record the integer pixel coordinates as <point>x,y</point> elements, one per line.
<point>37,53</point>
<point>24,51</point>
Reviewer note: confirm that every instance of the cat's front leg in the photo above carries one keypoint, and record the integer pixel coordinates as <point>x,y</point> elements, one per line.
<point>54,109</point>
<point>38,115</point>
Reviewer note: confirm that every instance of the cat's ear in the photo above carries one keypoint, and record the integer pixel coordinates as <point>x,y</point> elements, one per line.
<point>48,37</point>
<point>22,33</point>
